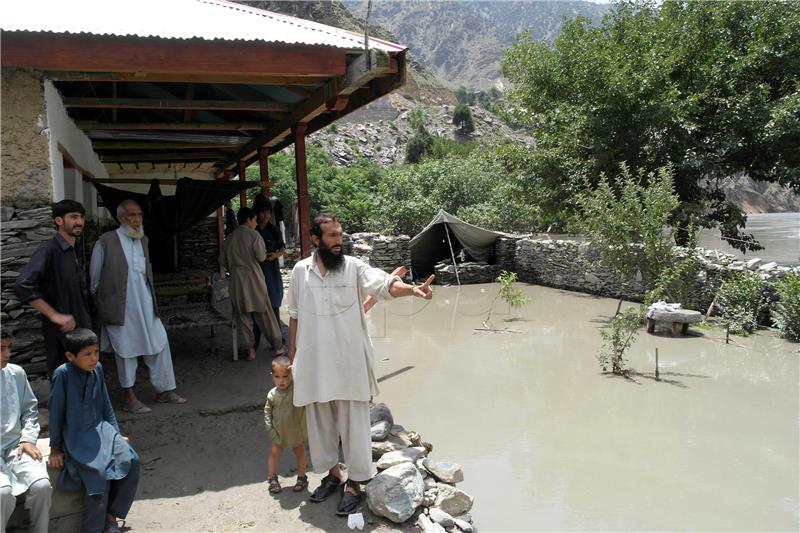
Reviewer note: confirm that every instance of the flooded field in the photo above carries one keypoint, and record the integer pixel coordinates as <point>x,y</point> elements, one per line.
<point>547,442</point>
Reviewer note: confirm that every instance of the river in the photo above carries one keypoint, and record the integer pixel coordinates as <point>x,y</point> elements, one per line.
<point>778,233</point>
<point>548,442</point>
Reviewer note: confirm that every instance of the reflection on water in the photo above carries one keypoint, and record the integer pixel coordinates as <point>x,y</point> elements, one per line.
<point>547,442</point>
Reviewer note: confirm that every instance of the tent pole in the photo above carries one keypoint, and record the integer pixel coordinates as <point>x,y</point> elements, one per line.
<point>452,255</point>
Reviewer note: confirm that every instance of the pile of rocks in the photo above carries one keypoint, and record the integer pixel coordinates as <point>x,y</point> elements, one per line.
<point>411,486</point>
<point>468,273</point>
<point>21,233</point>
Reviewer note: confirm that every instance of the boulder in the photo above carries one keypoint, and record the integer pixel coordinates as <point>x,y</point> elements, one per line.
<point>391,444</point>
<point>440,517</point>
<point>407,455</point>
<point>396,492</point>
<point>753,263</point>
<point>452,500</point>
<point>463,525</point>
<point>426,525</point>
<point>380,421</point>
<point>444,471</point>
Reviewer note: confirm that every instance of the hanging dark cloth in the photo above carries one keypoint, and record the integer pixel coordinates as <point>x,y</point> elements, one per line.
<point>166,216</point>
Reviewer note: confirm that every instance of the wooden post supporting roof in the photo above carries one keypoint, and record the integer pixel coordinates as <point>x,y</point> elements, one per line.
<point>301,174</point>
<point>263,168</point>
<point>243,178</point>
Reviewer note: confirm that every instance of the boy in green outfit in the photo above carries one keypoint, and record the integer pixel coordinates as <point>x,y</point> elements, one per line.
<point>286,425</point>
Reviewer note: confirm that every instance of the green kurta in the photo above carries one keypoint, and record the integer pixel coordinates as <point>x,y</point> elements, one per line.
<point>286,424</point>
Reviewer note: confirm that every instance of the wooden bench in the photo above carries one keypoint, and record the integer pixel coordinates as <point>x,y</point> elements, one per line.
<point>679,319</point>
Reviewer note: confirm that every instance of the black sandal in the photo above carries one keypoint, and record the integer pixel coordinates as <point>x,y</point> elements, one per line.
<point>327,487</point>
<point>301,484</point>
<point>274,485</point>
<point>349,502</point>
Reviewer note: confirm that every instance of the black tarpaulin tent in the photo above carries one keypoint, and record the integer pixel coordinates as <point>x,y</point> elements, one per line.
<point>443,237</point>
<point>166,216</point>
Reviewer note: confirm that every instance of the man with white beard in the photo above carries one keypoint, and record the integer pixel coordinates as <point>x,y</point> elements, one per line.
<point>122,280</point>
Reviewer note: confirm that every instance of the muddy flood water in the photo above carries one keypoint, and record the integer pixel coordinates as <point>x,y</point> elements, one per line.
<point>547,442</point>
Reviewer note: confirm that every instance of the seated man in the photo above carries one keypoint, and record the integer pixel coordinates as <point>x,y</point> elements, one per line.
<point>21,467</point>
<point>85,440</point>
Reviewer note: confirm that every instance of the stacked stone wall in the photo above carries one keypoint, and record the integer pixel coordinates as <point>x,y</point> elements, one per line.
<point>390,252</point>
<point>198,247</point>
<point>21,233</point>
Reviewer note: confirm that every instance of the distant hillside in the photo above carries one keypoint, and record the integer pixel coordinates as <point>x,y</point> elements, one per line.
<point>463,42</point>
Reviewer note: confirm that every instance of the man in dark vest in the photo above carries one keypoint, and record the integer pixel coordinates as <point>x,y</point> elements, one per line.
<point>122,280</point>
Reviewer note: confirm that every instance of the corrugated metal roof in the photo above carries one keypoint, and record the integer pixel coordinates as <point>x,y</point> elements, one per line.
<point>177,19</point>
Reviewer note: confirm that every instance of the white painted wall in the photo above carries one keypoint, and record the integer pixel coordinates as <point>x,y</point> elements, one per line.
<point>63,132</point>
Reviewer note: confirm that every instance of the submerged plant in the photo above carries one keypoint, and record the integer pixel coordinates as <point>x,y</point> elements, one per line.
<point>617,338</point>
<point>786,313</point>
<point>740,299</point>
<point>510,294</point>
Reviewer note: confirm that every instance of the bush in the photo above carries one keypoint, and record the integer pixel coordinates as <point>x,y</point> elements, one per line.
<point>740,299</point>
<point>418,145</point>
<point>462,117</point>
<point>786,313</point>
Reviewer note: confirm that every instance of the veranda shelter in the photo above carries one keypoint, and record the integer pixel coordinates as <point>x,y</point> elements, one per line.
<point>153,89</point>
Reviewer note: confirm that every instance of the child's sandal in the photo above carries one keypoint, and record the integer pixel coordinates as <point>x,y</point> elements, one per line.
<point>301,484</point>
<point>274,485</point>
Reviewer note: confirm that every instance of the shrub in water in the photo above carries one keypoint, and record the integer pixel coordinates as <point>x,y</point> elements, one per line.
<point>786,313</point>
<point>740,299</point>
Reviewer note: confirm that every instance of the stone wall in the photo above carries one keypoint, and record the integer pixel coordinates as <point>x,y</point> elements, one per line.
<point>390,252</point>
<point>575,266</point>
<point>198,247</point>
<point>26,181</point>
<point>505,251</point>
<point>21,233</point>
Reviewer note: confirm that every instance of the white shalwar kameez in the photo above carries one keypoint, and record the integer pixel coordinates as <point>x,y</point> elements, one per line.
<point>20,474</point>
<point>143,332</point>
<point>333,368</point>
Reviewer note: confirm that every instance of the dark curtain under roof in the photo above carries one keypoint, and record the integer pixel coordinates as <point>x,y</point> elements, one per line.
<point>166,216</point>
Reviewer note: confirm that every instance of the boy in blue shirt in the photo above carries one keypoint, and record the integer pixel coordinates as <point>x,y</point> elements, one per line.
<point>85,440</point>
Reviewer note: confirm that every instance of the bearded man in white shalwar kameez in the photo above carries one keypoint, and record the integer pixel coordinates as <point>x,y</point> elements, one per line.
<point>331,356</point>
<point>122,281</point>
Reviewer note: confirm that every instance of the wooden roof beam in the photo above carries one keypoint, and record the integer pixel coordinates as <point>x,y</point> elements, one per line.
<point>158,103</point>
<point>105,53</point>
<point>188,126</point>
<point>254,78</point>
<point>165,156</point>
<point>158,145</point>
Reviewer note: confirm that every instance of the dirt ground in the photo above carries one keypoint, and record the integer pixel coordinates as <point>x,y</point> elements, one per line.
<point>205,462</point>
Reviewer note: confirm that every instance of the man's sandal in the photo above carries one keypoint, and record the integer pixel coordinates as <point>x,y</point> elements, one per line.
<point>328,486</point>
<point>136,407</point>
<point>274,485</point>
<point>349,502</point>
<point>170,397</point>
<point>301,484</point>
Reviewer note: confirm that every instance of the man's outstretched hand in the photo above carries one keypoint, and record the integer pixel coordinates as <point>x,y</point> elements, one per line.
<point>424,290</point>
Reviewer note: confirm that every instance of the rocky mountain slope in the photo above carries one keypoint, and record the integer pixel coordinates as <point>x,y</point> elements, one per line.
<point>463,42</point>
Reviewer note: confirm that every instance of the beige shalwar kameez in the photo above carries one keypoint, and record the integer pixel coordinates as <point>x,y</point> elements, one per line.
<point>333,367</point>
<point>242,253</point>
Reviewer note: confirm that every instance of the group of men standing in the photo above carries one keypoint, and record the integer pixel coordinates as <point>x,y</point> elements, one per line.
<point>329,345</point>
<point>121,279</point>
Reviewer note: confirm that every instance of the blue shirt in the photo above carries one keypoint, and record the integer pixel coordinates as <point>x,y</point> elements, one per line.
<point>84,427</point>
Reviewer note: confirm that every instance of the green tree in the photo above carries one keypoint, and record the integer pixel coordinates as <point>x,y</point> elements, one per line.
<point>462,117</point>
<point>624,217</point>
<point>418,118</point>
<point>708,87</point>
<point>418,146</point>
<point>462,95</point>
